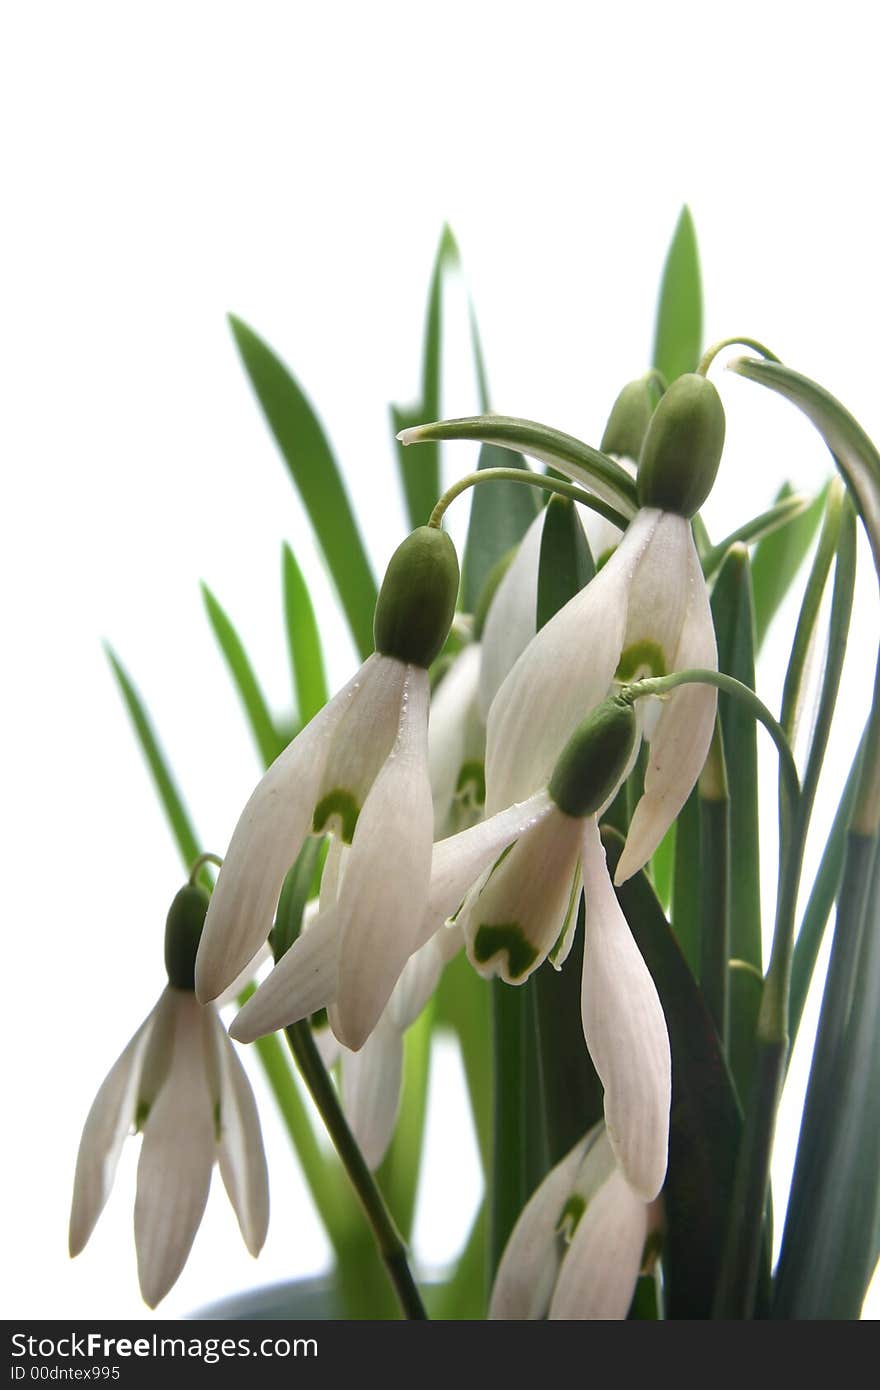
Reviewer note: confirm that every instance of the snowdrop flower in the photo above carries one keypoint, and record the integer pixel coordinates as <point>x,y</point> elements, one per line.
<point>579,1244</point>
<point>358,770</point>
<point>180,1083</point>
<point>623,439</point>
<point>645,612</point>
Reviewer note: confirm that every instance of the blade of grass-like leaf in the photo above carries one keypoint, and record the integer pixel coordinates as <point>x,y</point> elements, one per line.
<point>262,726</point>
<point>163,780</point>
<point>509,1185</point>
<point>303,641</point>
<point>500,516</point>
<point>663,867</point>
<point>854,453</point>
<point>705,1121</point>
<point>778,558</point>
<point>781,514</point>
<point>464,1295</point>
<point>686,883</point>
<point>714,804</point>
<point>314,470</point>
<point>793,688</point>
<point>678,332</point>
<point>576,460</point>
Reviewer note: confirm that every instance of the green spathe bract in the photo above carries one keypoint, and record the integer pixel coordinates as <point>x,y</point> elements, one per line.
<point>594,760</point>
<point>417,598</point>
<point>629,419</point>
<point>682,448</point>
<point>183,930</point>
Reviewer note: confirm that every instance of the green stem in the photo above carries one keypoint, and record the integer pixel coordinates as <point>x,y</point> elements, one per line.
<point>508,1191</point>
<point>519,475</point>
<point>714,895</point>
<point>755,530</point>
<point>389,1242</point>
<point>711,353</point>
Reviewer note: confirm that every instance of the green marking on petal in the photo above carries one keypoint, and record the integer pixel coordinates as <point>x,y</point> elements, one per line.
<point>642,658</point>
<point>339,803</point>
<point>570,1216</point>
<point>505,939</point>
<point>604,557</point>
<point>573,901</point>
<point>140,1115</point>
<point>218,1129</point>
<point>471,784</point>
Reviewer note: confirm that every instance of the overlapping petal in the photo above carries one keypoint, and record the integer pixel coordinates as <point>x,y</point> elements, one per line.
<point>371,1081</point>
<point>512,616</point>
<point>455,731</point>
<point>304,980</point>
<point>625,1030</point>
<point>600,1270</point>
<point>240,1148</point>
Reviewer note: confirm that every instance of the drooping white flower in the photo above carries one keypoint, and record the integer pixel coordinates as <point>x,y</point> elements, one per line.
<point>359,771</point>
<point>181,1084</point>
<point>579,1244</point>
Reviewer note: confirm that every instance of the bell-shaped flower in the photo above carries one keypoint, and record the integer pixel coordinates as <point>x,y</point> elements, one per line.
<point>180,1084</point>
<point>645,612</point>
<point>359,770</point>
<point>579,1244</point>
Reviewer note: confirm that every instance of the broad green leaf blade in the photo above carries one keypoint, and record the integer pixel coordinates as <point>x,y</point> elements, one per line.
<point>781,514</point>
<point>829,1245</point>
<point>663,867</point>
<point>303,641</point>
<point>267,738</point>
<point>678,333</point>
<point>510,1186</point>
<point>778,558</point>
<point>714,804</point>
<point>166,787</point>
<point>501,513</point>
<point>565,564</point>
<point>705,1122</point>
<point>576,460</point>
<point>686,883</point>
<point>420,474</point>
<point>733,615</point>
<point>314,470</point>
<point>854,453</point>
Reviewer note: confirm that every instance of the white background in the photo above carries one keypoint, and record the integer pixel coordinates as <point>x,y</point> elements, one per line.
<point>163,164</point>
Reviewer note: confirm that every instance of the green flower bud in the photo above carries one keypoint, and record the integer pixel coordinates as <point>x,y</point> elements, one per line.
<point>183,930</point>
<point>682,449</point>
<point>417,598</point>
<point>629,419</point>
<point>489,590</point>
<point>592,763</point>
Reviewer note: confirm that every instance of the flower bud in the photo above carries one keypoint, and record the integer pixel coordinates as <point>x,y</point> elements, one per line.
<point>592,763</point>
<point>417,598</point>
<point>682,448</point>
<point>183,930</point>
<point>629,419</point>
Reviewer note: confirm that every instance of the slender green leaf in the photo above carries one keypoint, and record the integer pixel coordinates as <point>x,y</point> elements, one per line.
<point>295,893</point>
<point>678,333</point>
<point>262,726</point>
<point>420,474</point>
<point>565,565</point>
<point>854,453</point>
<point>714,804</point>
<point>303,641</point>
<point>314,470</point>
<point>464,1296</point>
<point>663,867</point>
<point>513,1111</point>
<point>794,685</point>
<point>500,516</point>
<point>733,615</point>
<point>686,883</point>
<point>705,1121</point>
<point>573,458</point>
<point>745,986</point>
<point>778,558</point>
<point>166,787</point>
<point>781,514</point>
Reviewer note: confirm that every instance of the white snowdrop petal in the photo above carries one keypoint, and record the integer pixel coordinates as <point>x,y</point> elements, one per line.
<point>267,839</point>
<point>625,1030</point>
<point>681,739</point>
<point>366,730</point>
<point>382,903</point>
<point>529,1266</point>
<point>516,919</point>
<point>510,621</point>
<point>371,1082</point>
<point>451,729</point>
<point>417,983</point>
<point>304,980</point>
<point>249,973</point>
<point>658,593</point>
<point>564,672</point>
<point>600,1269</point>
<point>108,1122</point>
<point>240,1150</point>
<point>458,861</point>
<point>177,1155</point>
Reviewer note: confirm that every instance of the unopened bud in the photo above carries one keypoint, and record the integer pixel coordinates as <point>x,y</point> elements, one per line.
<point>629,419</point>
<point>417,599</point>
<point>682,448</point>
<point>183,930</point>
<point>593,762</point>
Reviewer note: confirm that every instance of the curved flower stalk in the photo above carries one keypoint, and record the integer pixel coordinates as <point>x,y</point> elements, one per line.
<point>645,612</point>
<point>580,1242</point>
<point>359,770</point>
<point>180,1083</point>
